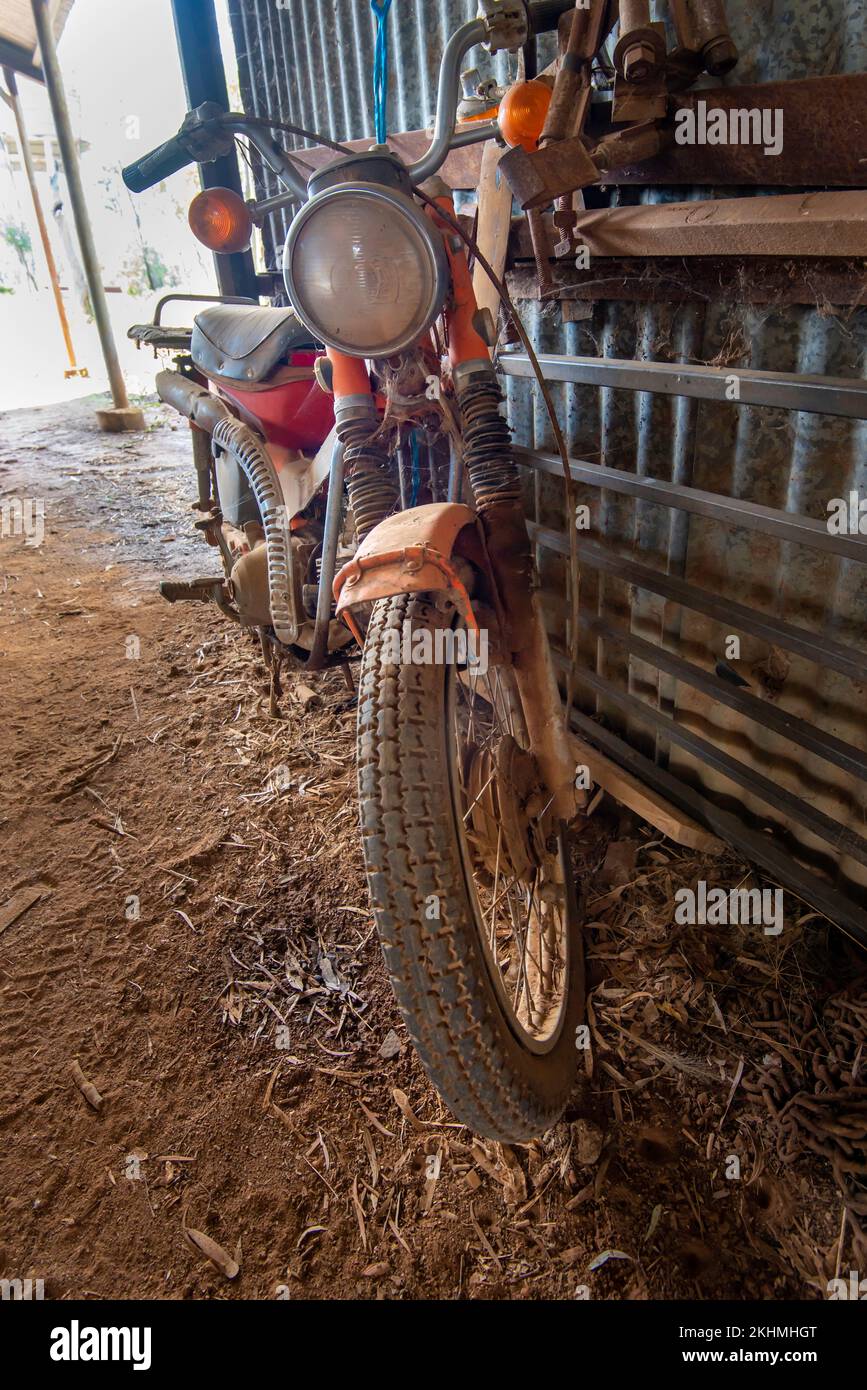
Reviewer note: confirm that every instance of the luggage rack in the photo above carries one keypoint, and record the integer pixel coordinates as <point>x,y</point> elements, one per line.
<point>162,337</point>
<point>821,395</point>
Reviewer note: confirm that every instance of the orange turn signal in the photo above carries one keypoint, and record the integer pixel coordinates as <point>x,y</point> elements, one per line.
<point>523,111</point>
<point>220,220</point>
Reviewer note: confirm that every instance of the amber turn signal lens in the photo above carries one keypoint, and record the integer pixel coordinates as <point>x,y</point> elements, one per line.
<point>220,220</point>
<point>523,111</point>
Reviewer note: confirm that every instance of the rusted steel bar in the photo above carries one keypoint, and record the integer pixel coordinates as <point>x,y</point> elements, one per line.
<point>764,712</point>
<point>758,846</point>
<point>570,98</point>
<point>787,224</point>
<point>824,120</point>
<point>809,816</point>
<point>732,511</point>
<point>776,280</point>
<point>812,646</point>
<point>819,395</point>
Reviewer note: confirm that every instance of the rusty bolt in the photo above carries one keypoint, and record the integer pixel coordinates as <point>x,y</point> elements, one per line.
<point>639,62</point>
<point>720,56</point>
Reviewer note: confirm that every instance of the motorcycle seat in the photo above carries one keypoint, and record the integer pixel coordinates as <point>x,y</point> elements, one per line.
<point>244,342</point>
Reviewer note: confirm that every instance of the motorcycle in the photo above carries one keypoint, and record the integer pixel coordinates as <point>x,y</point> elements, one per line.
<point>309,424</point>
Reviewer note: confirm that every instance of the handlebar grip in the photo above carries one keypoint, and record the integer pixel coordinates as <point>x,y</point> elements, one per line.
<point>156,165</point>
<point>545,14</point>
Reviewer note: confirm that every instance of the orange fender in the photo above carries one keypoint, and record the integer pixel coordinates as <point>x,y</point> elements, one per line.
<point>411,552</point>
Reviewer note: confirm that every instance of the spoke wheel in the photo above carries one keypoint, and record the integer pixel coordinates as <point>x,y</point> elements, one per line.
<point>470,882</point>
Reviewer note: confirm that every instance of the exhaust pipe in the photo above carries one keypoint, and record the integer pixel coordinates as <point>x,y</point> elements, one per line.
<point>245,447</point>
<point>190,399</point>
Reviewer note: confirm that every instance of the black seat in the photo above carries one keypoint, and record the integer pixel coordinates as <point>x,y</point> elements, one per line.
<point>245,342</point>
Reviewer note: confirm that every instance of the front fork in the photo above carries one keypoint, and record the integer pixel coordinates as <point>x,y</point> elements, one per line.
<point>490,464</point>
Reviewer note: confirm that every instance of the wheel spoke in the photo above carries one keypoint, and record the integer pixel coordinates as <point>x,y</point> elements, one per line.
<point>522,929</point>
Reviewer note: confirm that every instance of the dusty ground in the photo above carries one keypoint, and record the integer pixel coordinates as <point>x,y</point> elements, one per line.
<point>203,948</point>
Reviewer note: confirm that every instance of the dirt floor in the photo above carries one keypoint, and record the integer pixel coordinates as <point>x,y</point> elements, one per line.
<point>203,947</point>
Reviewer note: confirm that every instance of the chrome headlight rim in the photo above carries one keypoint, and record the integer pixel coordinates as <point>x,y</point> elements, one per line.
<point>431,242</point>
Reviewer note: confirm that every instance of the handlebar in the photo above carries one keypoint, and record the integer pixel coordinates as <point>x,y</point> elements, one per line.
<point>205,132</point>
<point>156,165</point>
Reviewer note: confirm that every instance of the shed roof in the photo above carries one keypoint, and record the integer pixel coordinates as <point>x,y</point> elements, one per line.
<point>19,49</point>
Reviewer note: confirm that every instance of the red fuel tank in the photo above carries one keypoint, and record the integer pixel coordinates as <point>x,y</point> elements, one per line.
<point>290,408</point>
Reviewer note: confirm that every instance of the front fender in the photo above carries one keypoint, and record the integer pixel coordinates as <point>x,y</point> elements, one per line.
<point>414,551</point>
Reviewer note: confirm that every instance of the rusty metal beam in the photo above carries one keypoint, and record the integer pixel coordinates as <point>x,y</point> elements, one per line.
<point>731,511</point>
<point>824,130</point>
<point>790,224</point>
<point>671,280</point>
<point>824,651</point>
<point>757,845</point>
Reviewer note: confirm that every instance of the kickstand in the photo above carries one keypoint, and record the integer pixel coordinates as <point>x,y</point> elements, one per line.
<point>273,663</point>
<point>276,690</point>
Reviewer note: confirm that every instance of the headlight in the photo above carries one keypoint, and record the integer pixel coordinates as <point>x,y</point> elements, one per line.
<point>365,269</point>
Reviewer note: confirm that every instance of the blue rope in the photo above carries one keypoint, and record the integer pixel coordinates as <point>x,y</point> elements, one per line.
<point>380,70</point>
<point>416,468</point>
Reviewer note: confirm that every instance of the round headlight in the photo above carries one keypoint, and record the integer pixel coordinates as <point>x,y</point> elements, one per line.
<point>365,270</point>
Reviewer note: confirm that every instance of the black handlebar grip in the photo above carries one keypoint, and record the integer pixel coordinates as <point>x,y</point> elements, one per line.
<point>545,14</point>
<point>156,165</point>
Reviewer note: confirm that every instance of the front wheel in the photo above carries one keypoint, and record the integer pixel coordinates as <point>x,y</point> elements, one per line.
<point>469,878</point>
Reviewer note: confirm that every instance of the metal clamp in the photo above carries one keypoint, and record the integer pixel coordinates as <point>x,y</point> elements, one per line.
<point>507,24</point>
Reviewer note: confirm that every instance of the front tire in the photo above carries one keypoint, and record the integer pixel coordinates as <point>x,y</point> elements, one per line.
<point>501,1052</point>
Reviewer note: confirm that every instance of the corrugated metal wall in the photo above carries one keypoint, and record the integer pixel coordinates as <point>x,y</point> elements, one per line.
<point>312,62</point>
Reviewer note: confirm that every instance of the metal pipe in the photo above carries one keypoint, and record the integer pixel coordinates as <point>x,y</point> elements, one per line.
<point>735,616</point>
<point>189,398</point>
<point>69,156</point>
<point>474,133</point>
<point>757,845</point>
<point>809,816</point>
<point>732,511</point>
<point>265,206</point>
<point>27,161</point>
<point>819,395</point>
<point>448,95</point>
<point>331,536</point>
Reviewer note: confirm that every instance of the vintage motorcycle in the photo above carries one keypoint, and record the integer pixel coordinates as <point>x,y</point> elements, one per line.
<point>331,533</point>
